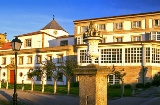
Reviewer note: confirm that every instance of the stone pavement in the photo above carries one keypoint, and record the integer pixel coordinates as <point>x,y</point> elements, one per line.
<point>148,97</point>
<point>38,98</point>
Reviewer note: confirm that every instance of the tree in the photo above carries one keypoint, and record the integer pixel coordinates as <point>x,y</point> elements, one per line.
<point>67,69</point>
<point>120,74</point>
<point>50,68</point>
<point>31,73</point>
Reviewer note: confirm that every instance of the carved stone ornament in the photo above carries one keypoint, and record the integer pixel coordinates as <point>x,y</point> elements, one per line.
<point>92,37</point>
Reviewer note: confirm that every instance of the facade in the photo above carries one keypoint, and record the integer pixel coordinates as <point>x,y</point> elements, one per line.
<point>130,42</point>
<point>51,42</point>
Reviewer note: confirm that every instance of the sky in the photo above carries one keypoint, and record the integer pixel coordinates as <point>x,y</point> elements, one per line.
<point>24,16</point>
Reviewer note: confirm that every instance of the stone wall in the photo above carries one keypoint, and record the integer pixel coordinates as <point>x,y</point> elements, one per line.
<point>134,74</point>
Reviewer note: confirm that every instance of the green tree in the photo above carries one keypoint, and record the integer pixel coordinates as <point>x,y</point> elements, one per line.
<point>31,73</point>
<point>67,69</point>
<point>50,68</point>
<point>120,74</point>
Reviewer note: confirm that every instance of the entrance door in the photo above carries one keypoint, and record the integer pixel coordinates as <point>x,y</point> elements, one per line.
<point>12,76</point>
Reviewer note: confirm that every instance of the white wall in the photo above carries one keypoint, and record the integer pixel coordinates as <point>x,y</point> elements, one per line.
<point>36,41</point>
<point>127,25</point>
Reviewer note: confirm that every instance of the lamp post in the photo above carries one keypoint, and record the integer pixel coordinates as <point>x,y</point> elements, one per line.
<point>16,45</point>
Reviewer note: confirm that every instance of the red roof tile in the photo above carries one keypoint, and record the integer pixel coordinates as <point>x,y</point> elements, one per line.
<point>6,46</point>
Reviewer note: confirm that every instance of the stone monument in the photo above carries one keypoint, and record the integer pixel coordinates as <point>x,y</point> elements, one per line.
<point>92,78</point>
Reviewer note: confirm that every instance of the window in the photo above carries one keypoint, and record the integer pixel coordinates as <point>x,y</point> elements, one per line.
<point>155,36</point>
<point>3,60</point>
<point>118,38</point>
<point>148,55</point>
<point>38,78</point>
<point>12,60</point>
<point>20,59</point>
<point>49,57</point>
<point>29,61</point>
<point>39,59</point>
<point>84,29</point>
<point>157,22</point>
<point>83,57</point>
<point>133,55</point>
<point>102,27</point>
<point>28,42</point>
<point>59,58</point>
<point>113,79</point>
<point>155,55</point>
<point>80,40</point>
<point>136,38</point>
<point>60,74</point>
<point>111,55</point>
<point>136,24</point>
<point>119,26</point>
<point>49,78</point>
<point>64,42</point>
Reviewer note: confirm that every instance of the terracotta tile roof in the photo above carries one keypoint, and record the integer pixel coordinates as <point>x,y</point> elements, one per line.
<point>34,33</point>
<point>53,25</point>
<point>6,46</point>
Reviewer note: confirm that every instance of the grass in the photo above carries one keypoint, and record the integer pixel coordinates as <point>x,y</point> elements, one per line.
<point>47,88</point>
<point>116,92</point>
<point>112,92</point>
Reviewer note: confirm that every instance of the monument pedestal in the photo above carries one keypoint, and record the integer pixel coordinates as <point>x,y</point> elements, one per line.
<point>93,85</point>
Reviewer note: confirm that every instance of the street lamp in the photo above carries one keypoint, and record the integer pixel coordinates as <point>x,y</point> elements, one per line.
<point>16,45</point>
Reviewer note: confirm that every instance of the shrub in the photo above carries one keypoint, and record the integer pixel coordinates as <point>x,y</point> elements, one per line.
<point>75,84</point>
<point>139,85</point>
<point>156,80</point>
<point>127,86</point>
<point>116,86</point>
<point>148,85</point>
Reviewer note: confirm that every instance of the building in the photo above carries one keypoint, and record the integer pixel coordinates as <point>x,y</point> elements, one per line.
<point>51,42</point>
<point>130,42</point>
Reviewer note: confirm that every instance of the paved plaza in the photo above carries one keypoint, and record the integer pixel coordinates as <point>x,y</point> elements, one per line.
<point>38,98</point>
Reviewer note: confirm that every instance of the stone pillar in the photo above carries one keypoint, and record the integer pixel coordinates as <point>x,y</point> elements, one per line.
<point>93,85</point>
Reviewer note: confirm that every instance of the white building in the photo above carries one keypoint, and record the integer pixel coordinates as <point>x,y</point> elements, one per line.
<point>129,41</point>
<point>51,42</point>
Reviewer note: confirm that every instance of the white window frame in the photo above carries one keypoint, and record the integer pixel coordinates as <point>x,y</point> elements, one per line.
<point>28,42</point>
<point>136,24</point>
<point>155,36</point>
<point>102,27</point>
<point>113,80</point>
<point>117,37</point>
<point>136,38</point>
<point>119,26</point>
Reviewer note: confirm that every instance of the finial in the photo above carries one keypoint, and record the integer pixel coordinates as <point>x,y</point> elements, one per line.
<point>53,17</point>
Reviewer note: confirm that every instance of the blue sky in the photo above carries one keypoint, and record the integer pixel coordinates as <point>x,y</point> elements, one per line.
<point>23,16</point>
